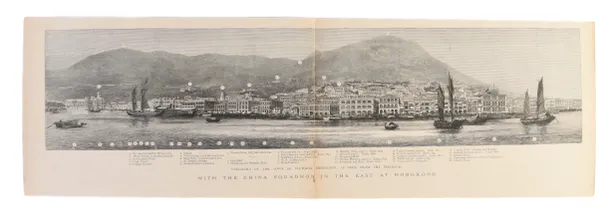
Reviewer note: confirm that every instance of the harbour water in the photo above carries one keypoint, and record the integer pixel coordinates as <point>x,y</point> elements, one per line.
<point>118,131</point>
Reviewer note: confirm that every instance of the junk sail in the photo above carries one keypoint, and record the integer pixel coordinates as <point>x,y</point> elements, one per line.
<point>134,98</point>
<point>526,104</point>
<point>144,89</point>
<point>450,90</point>
<point>540,99</point>
<point>441,103</point>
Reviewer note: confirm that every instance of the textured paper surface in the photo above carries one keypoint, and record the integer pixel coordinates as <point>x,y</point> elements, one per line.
<point>565,169</point>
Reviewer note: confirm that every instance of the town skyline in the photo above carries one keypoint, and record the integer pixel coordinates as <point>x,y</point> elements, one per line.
<point>567,84</point>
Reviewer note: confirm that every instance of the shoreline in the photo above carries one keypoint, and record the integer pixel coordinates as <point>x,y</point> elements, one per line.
<point>291,118</point>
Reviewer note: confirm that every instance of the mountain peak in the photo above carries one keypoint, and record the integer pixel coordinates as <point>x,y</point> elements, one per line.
<point>386,58</point>
<point>121,50</point>
<point>388,38</point>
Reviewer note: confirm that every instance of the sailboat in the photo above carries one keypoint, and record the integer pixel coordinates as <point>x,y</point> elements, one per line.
<point>541,116</point>
<point>143,112</point>
<point>441,122</point>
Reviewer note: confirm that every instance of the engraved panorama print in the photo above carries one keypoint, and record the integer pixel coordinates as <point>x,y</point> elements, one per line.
<point>123,89</point>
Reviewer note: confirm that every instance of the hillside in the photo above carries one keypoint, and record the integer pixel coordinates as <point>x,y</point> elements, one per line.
<point>384,58</point>
<point>123,68</point>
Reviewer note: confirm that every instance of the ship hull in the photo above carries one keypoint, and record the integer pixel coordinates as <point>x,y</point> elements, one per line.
<point>171,113</point>
<point>69,124</point>
<point>444,124</point>
<point>145,114</point>
<point>538,121</point>
<point>391,126</point>
<point>212,119</point>
<point>476,121</point>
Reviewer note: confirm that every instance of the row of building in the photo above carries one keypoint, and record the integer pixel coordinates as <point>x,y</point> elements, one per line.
<point>351,99</point>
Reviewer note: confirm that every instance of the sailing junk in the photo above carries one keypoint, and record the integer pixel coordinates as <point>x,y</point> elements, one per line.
<point>69,124</point>
<point>441,122</point>
<point>143,112</point>
<point>541,117</point>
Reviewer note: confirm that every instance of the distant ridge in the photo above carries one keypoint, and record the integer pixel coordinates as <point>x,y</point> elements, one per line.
<point>384,58</point>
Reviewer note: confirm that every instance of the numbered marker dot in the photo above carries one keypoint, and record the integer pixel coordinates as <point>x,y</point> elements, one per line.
<point>74,144</point>
<point>231,143</point>
<point>493,139</point>
<point>534,138</point>
<point>147,143</point>
<point>179,144</point>
<point>219,143</point>
<point>129,143</point>
<point>311,142</point>
<point>264,143</point>
<point>112,144</point>
<point>140,143</point>
<point>292,143</point>
<point>243,143</point>
<point>439,140</point>
<point>189,144</point>
<point>170,143</point>
<point>389,142</point>
<point>152,143</point>
<point>200,144</point>
<point>100,144</point>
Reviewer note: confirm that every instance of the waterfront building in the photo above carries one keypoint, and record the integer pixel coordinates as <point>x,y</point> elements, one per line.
<point>54,105</point>
<point>243,106</point>
<point>357,106</point>
<point>493,102</point>
<point>220,107</point>
<point>264,106</point>
<point>560,104</point>
<point>120,105</point>
<point>291,99</point>
<point>474,105</point>
<point>389,105</point>
<point>460,107</point>
<point>551,104</point>
<point>276,106</point>
<point>308,109</point>
<point>424,106</point>
<point>76,104</point>
<point>232,106</point>
<point>408,105</point>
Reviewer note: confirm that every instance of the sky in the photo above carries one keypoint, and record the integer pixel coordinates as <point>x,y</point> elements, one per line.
<point>511,59</point>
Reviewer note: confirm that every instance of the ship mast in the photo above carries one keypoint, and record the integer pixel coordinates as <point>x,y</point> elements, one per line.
<point>144,89</point>
<point>134,98</point>
<point>441,103</point>
<point>450,88</point>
